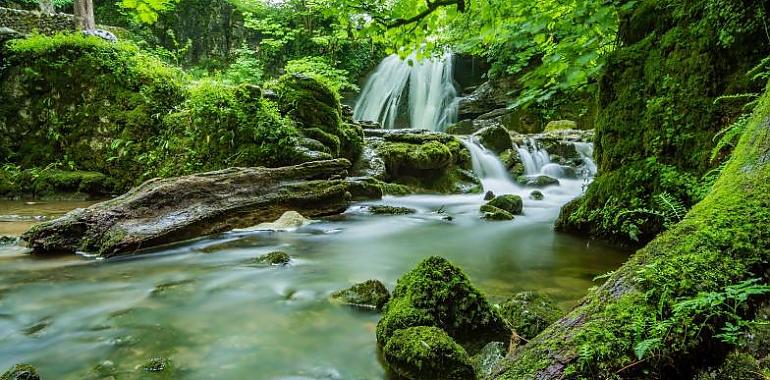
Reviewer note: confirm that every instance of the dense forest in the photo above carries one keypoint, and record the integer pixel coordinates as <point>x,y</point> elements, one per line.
<point>384,189</point>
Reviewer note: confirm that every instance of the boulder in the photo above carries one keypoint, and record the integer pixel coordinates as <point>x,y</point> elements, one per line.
<point>274,258</point>
<point>427,353</point>
<point>390,210</point>
<point>560,125</point>
<point>21,372</point>
<point>508,202</point>
<point>489,196</point>
<point>463,127</point>
<point>370,294</point>
<point>290,220</point>
<point>537,181</point>
<point>495,138</point>
<point>494,213</point>
<point>529,313</point>
<point>512,161</point>
<point>163,211</point>
<point>437,293</point>
<point>536,195</point>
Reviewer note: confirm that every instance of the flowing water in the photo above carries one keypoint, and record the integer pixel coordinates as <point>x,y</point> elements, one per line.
<point>204,306</point>
<point>430,95</point>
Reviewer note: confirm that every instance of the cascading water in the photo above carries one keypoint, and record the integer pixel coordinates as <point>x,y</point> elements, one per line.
<point>533,157</point>
<point>432,97</point>
<point>487,166</point>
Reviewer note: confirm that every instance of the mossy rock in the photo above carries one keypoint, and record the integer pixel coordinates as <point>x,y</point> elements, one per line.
<point>539,181</point>
<point>560,125</point>
<point>736,366</point>
<point>274,258</point>
<point>159,364</point>
<point>508,202</point>
<point>390,210</point>
<point>512,161</point>
<point>529,313</point>
<point>463,127</point>
<point>371,294</point>
<point>8,240</point>
<point>410,158</point>
<point>21,372</point>
<point>495,138</point>
<point>492,213</point>
<point>536,195</point>
<point>437,293</point>
<point>427,353</point>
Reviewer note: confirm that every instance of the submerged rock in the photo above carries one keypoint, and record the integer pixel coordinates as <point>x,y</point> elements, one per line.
<point>437,293</point>
<point>427,353</point>
<point>274,258</point>
<point>163,211</point>
<point>157,364</point>
<point>489,212</point>
<point>508,202</point>
<point>390,210</point>
<point>21,372</point>
<point>290,220</point>
<point>371,294</point>
<point>537,181</point>
<point>529,313</point>
<point>536,195</point>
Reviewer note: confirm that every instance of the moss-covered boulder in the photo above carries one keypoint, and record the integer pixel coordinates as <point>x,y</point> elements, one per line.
<point>512,161</point>
<point>390,210</point>
<point>316,109</point>
<point>536,195</point>
<point>529,313</point>
<point>508,202</point>
<point>462,127</point>
<point>560,125</point>
<point>274,258</point>
<point>371,294</point>
<point>21,372</point>
<point>492,213</point>
<point>494,138</point>
<point>427,353</point>
<point>437,293</point>
<point>539,181</point>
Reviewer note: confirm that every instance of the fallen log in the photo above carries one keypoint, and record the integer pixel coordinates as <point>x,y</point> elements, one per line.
<point>162,211</point>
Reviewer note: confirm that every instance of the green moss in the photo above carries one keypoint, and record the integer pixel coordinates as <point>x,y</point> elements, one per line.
<point>512,161</point>
<point>537,181</point>
<point>427,353</point>
<point>529,313</point>
<point>490,212</point>
<point>737,366</point>
<point>495,138</point>
<point>436,293</point>
<point>274,258</point>
<point>508,202</point>
<point>21,372</point>
<point>390,210</point>
<point>536,195</point>
<point>369,294</point>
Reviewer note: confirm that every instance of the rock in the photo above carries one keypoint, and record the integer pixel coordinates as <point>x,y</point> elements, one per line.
<point>494,213</point>
<point>512,161</point>
<point>463,127</point>
<point>365,188</point>
<point>495,139</point>
<point>489,96</point>
<point>564,149</point>
<point>489,196</point>
<point>390,210</point>
<point>21,372</point>
<point>560,125</point>
<point>290,220</point>
<point>508,202</point>
<point>487,360</point>
<point>8,240</point>
<point>529,313</point>
<point>371,294</point>
<point>163,211</point>
<point>536,195</point>
<point>437,293</point>
<point>274,258</point>
<point>537,181</point>
<point>427,353</point>
<point>157,365</point>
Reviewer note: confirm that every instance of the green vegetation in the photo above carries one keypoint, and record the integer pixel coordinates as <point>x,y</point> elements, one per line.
<point>427,353</point>
<point>529,313</point>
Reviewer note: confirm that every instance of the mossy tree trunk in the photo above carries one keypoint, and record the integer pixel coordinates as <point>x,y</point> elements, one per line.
<point>724,240</point>
<point>84,14</point>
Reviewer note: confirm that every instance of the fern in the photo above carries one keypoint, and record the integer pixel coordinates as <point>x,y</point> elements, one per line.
<point>729,135</point>
<point>672,209</point>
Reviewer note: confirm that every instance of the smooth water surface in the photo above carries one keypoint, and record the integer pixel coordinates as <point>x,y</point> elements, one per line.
<point>203,305</point>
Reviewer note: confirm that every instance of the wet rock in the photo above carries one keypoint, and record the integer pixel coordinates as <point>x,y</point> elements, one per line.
<point>274,258</point>
<point>494,213</point>
<point>511,159</point>
<point>365,188</point>
<point>21,372</point>
<point>537,181</point>
<point>157,364</point>
<point>371,294</point>
<point>487,360</point>
<point>290,220</point>
<point>529,313</point>
<point>427,353</point>
<point>489,196</point>
<point>508,202</point>
<point>463,127</point>
<point>437,293</point>
<point>564,149</point>
<point>8,240</point>
<point>560,125</point>
<point>390,210</point>
<point>163,211</point>
<point>494,138</point>
<point>536,195</point>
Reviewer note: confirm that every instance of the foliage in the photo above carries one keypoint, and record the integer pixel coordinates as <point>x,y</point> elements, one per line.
<point>246,69</point>
<point>320,69</point>
<point>147,11</point>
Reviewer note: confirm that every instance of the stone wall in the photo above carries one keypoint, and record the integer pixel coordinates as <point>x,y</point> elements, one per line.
<point>30,21</point>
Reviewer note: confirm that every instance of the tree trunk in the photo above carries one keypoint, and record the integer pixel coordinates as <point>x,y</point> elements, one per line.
<point>46,6</point>
<point>725,239</point>
<point>84,14</point>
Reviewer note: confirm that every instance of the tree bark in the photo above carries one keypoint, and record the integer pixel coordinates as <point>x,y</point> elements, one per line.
<point>723,240</point>
<point>84,14</point>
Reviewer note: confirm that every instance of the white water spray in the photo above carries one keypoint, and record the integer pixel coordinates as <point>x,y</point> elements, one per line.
<point>432,97</point>
<point>533,157</point>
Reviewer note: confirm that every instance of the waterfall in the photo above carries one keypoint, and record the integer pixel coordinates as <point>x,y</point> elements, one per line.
<point>432,97</point>
<point>487,166</point>
<point>586,151</point>
<point>533,157</point>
